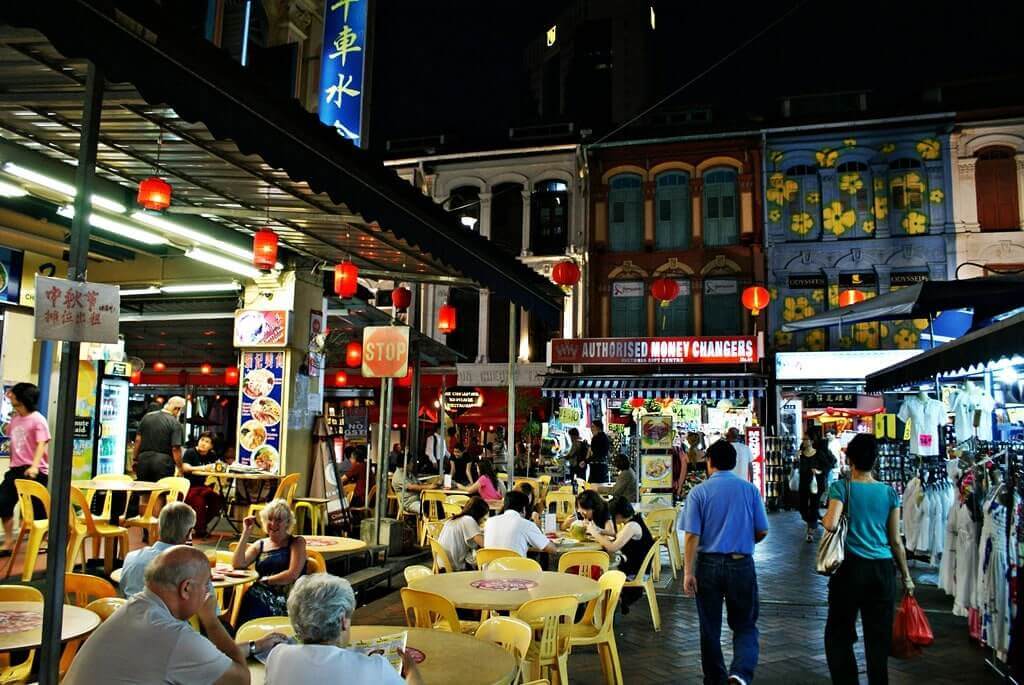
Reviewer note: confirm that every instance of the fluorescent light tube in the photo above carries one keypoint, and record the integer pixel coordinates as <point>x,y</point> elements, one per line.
<point>108,204</point>
<point>126,230</point>
<point>11,190</point>
<point>61,187</point>
<point>233,286</point>
<point>240,268</point>
<point>129,292</point>
<point>176,229</point>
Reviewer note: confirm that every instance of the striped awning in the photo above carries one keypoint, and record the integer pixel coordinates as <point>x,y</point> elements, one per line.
<point>683,387</point>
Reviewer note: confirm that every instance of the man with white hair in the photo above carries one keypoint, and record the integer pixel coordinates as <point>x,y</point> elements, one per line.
<point>177,520</point>
<point>320,609</point>
<point>149,640</point>
<point>157,451</point>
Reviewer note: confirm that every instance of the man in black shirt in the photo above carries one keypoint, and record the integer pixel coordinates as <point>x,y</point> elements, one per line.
<point>157,451</point>
<point>206,501</point>
<point>600,446</point>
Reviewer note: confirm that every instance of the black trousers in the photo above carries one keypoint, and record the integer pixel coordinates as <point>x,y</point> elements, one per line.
<point>868,587</point>
<point>810,503</point>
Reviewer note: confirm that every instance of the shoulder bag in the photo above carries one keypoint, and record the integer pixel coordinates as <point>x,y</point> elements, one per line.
<point>832,548</point>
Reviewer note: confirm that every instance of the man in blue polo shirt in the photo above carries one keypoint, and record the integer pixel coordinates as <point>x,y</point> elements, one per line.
<point>724,518</point>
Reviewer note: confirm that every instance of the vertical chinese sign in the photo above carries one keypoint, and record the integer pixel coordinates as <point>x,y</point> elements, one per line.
<point>755,441</point>
<point>259,431</point>
<point>342,62</point>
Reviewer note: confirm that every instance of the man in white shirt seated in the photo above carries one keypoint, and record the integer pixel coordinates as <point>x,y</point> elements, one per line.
<point>149,640</point>
<point>177,521</point>
<point>513,529</point>
<point>743,454</point>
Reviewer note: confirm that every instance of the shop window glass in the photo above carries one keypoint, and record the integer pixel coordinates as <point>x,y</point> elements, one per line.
<point>626,213</point>
<point>676,317</point>
<point>722,311</point>
<point>497,328</point>
<point>854,181</point>
<point>721,208</point>
<point>549,223</point>
<point>507,217</point>
<point>907,193</point>
<point>672,227</point>
<point>798,193</point>
<point>628,309</point>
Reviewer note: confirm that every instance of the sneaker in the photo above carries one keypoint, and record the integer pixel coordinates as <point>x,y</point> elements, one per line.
<point>735,679</point>
<point>810,538</point>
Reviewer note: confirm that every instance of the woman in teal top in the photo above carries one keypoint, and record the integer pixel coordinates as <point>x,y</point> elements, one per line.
<point>865,582</point>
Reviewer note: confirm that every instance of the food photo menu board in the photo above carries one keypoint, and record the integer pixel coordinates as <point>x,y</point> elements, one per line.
<point>259,431</point>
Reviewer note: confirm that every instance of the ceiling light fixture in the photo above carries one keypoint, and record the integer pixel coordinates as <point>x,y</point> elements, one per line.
<point>11,190</point>
<point>61,187</point>
<point>201,255</point>
<point>126,230</point>
<point>176,229</point>
<point>232,286</point>
<point>135,292</point>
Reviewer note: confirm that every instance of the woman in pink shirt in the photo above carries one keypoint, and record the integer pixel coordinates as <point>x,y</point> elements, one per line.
<point>29,437</point>
<point>487,485</point>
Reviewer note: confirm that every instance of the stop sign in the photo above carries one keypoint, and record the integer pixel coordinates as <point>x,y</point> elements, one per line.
<point>385,351</point>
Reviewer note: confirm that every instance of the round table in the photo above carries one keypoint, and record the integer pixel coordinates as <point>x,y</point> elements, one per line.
<point>332,544</point>
<point>648,508</point>
<point>449,657</point>
<point>459,588</point>
<point>77,622</point>
<point>239,576</point>
<point>117,485</point>
<point>242,475</point>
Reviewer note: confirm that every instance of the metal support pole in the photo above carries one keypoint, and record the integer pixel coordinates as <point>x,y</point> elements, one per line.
<point>46,350</point>
<point>510,442</point>
<point>382,471</point>
<point>60,466</point>
<point>441,434</point>
<point>380,442</point>
<point>413,436</point>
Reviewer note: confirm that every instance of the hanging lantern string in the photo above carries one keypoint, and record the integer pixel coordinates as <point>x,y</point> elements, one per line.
<point>159,148</point>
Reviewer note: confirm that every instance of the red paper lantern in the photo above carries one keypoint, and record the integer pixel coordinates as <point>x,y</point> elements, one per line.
<point>341,378</point>
<point>154,193</point>
<point>264,249</point>
<point>401,298</point>
<point>665,290</point>
<point>231,375</point>
<point>637,402</point>
<point>446,319</point>
<point>346,279</point>
<point>159,366</point>
<point>353,354</point>
<point>206,368</point>
<point>848,297</point>
<point>406,380</point>
<point>755,298</point>
<point>566,274</point>
<point>136,377</point>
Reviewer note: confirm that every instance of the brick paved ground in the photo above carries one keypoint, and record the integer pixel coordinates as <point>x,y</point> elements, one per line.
<point>792,624</point>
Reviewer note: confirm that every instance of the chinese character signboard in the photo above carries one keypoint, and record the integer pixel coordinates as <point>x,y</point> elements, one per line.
<point>385,351</point>
<point>73,311</point>
<point>755,441</point>
<point>342,77</point>
<point>739,349</point>
<point>260,429</point>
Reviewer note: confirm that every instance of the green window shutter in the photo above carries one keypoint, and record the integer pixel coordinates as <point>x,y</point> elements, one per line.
<point>721,226</point>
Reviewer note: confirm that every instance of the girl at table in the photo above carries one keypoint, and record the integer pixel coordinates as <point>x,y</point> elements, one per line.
<point>632,542</point>
<point>591,508</point>
<point>280,559</point>
<point>462,534</point>
<point>206,501</point>
<point>487,485</point>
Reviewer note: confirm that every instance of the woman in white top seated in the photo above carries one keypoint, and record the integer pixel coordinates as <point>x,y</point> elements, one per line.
<point>320,609</point>
<point>463,533</point>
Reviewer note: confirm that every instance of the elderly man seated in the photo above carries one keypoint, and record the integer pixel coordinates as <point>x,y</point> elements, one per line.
<point>177,520</point>
<point>320,609</point>
<point>149,639</point>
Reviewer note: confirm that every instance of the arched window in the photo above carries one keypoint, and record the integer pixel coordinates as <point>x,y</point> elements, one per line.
<point>628,310</point>
<point>626,213</point>
<point>676,318</point>
<point>995,179</point>
<point>464,202</point>
<point>672,227</point>
<point>799,193</point>
<point>549,220</point>
<point>721,210</point>
<point>907,194</point>
<point>465,339</point>
<point>854,179</point>
<point>507,217</point>
<point>722,310</point>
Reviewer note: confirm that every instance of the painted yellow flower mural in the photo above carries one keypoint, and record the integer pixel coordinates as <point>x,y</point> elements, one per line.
<point>838,220</point>
<point>914,223</point>
<point>833,295</point>
<point>815,340</point>
<point>796,308</point>
<point>774,214</point>
<point>775,156</point>
<point>801,223</point>
<point>887,148</point>
<point>776,179</point>
<point>813,198</point>
<point>773,293</point>
<point>846,342</point>
<point>850,142</point>
<point>920,324</point>
<point>928,148</point>
<point>826,157</point>
<point>878,184</point>
<point>905,339</point>
<point>881,208</point>
<point>818,296</point>
<point>936,196</point>
<point>850,183</point>
<point>866,334</point>
<point>783,339</point>
<point>868,226</point>
<point>783,192</point>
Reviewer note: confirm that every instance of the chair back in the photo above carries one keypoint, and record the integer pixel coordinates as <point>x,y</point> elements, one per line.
<point>81,588</point>
<point>661,522</point>
<point>489,554</point>
<point>28,491</point>
<point>589,564</point>
<point>433,529</point>
<point>261,627</point>
<point>80,502</point>
<point>104,607</point>
<point>315,562</point>
<point>514,564</point>
<point>177,487</point>
<point>460,500</point>
<point>424,609</point>
<point>442,562</point>
<point>560,504</point>
<point>20,593</point>
<point>645,566</point>
<point>551,620</point>
<point>411,573</point>
<point>511,634</point>
<point>432,505</point>
<point>348,491</point>
<point>228,556</point>
<point>611,589</point>
<point>108,497</point>
<point>151,511</point>
<point>286,488</point>
<point>452,509</point>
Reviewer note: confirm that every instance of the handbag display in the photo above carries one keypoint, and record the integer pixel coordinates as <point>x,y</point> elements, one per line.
<point>832,548</point>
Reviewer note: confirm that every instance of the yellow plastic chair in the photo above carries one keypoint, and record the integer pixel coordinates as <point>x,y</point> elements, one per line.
<point>80,590</point>
<point>514,564</point>
<point>149,519</point>
<point>100,530</point>
<point>662,524</point>
<point>561,504</point>
<point>178,486</point>
<point>511,634</point>
<point>18,673</point>
<point>431,610</point>
<point>589,564</point>
<point>411,573</point>
<point>432,529</point>
<point>108,495</point>
<point>645,581</point>
<point>551,620</point>
<point>261,627</point>
<point>459,500</point>
<point>432,510</point>
<point>603,633</point>
<point>233,607</point>
<point>489,554</point>
<point>285,490</point>
<point>316,508</point>
<point>442,562</point>
<point>315,562</point>
<point>104,607</point>
<point>35,529</point>
<point>451,509</point>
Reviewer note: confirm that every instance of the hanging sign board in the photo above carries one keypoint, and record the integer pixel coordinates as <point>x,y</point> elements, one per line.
<point>385,351</point>
<point>755,441</point>
<point>77,312</point>
<point>738,349</point>
<point>260,428</point>
<point>460,399</point>
<point>357,425</point>
<point>258,328</point>
<point>342,61</point>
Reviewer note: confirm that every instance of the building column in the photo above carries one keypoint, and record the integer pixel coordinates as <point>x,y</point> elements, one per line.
<point>524,336</point>
<point>527,218</point>
<point>697,293</point>
<point>697,212</point>
<point>746,182</point>
<point>606,310</point>
<point>1019,158</point>
<point>601,215</point>
<point>483,331</point>
<point>652,313</point>
<point>648,213</point>
<point>485,214</point>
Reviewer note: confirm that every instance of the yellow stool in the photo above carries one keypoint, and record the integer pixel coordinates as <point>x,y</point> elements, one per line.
<point>317,508</point>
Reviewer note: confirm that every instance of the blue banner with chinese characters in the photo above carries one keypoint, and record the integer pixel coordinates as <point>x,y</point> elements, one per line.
<point>341,66</point>
<point>259,430</point>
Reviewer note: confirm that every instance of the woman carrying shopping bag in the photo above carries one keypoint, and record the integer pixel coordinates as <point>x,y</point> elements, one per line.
<point>865,581</point>
<point>815,462</point>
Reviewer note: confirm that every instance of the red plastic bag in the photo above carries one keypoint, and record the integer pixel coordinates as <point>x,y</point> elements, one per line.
<point>919,631</point>
<point>902,647</point>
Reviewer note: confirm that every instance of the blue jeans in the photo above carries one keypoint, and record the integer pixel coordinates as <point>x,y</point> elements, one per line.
<point>721,577</point>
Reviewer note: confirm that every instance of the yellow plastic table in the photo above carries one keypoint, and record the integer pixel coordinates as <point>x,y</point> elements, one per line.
<point>505,590</point>
<point>21,629</point>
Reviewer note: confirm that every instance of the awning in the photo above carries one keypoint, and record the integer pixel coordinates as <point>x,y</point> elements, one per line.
<point>988,296</point>
<point>691,387</point>
<point>1001,340</point>
<point>374,216</point>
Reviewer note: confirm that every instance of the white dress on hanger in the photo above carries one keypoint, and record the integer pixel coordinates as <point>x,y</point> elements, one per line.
<point>965,589</point>
<point>947,567</point>
<point>925,418</point>
<point>965,403</point>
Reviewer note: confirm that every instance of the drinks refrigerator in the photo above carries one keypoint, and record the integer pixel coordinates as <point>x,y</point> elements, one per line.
<point>101,419</point>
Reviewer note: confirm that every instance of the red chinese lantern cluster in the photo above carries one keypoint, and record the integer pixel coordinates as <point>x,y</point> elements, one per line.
<point>231,375</point>
<point>848,297</point>
<point>446,319</point>
<point>755,298</point>
<point>401,298</point>
<point>353,354</point>
<point>206,368</point>
<point>637,402</point>
<point>264,249</point>
<point>566,274</point>
<point>136,377</point>
<point>341,378</point>
<point>346,279</point>
<point>665,290</point>
<point>154,193</point>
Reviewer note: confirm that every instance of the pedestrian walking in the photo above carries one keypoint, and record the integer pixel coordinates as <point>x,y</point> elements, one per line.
<point>815,462</point>
<point>865,583</point>
<point>724,518</point>
<point>157,452</point>
<point>29,441</point>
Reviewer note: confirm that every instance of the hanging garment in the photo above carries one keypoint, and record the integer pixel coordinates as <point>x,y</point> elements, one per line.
<point>911,505</point>
<point>925,418</point>
<point>947,568</point>
<point>965,403</point>
<point>993,584</point>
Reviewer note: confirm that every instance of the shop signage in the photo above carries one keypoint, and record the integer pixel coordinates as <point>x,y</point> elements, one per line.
<point>357,425</point>
<point>461,399</point>
<point>315,356</point>
<point>807,282</point>
<point>739,349</point>
<point>11,262</point>
<point>569,415</point>
<point>385,351</point>
<point>899,278</point>
<point>37,264</point>
<point>77,311</point>
<point>122,369</point>
<point>256,328</point>
<point>656,470</point>
<point>260,427</point>
<point>836,400</point>
<point>342,61</point>
<point>858,279</point>
<point>82,428</point>
<point>627,289</point>
<point>755,441</point>
<point>721,286</point>
<point>496,375</point>
<point>846,365</point>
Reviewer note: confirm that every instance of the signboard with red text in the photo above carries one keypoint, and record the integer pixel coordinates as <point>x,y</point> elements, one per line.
<point>77,311</point>
<point>385,351</point>
<point>755,441</point>
<point>736,349</point>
